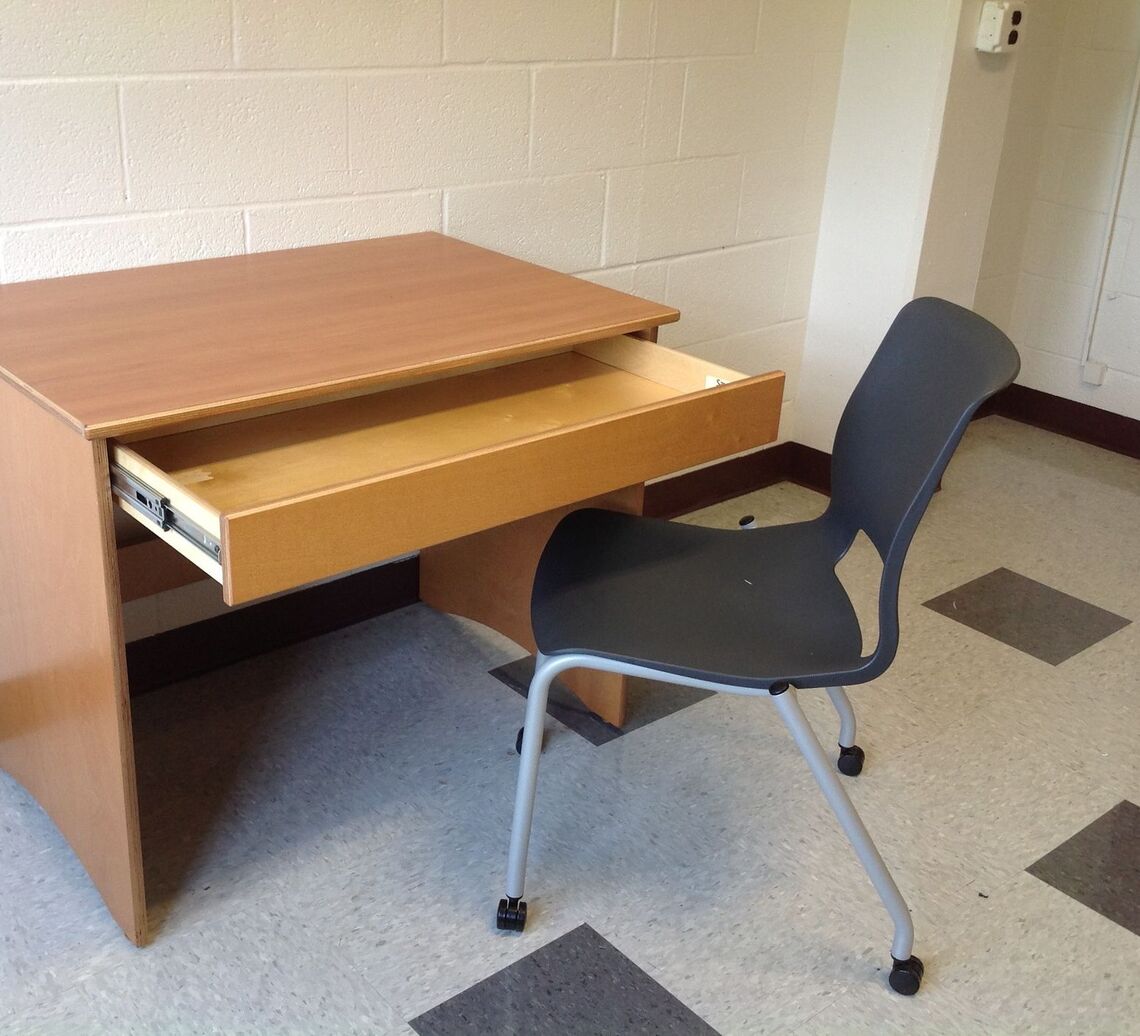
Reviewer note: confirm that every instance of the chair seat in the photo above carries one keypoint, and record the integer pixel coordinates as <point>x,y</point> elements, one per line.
<point>749,608</point>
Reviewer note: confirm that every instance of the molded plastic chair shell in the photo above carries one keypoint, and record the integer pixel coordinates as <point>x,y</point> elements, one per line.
<point>764,606</point>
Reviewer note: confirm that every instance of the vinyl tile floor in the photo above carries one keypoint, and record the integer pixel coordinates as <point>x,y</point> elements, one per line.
<point>326,826</point>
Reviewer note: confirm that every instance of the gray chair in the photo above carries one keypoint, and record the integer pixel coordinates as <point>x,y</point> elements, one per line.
<point>761,612</point>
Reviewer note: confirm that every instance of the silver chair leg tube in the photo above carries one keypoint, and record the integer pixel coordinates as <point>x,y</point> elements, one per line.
<point>528,775</point>
<point>797,724</point>
<point>842,705</point>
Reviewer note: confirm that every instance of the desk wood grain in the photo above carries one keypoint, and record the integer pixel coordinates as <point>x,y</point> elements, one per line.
<point>65,724</point>
<point>146,348</point>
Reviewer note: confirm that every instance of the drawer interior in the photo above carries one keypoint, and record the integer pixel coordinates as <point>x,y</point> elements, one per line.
<point>237,466</point>
<point>207,475</point>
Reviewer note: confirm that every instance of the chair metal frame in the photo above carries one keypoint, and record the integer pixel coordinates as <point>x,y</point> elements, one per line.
<point>788,707</point>
<point>902,424</point>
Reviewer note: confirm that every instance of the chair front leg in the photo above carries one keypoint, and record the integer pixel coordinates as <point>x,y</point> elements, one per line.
<point>907,972</point>
<point>511,914</point>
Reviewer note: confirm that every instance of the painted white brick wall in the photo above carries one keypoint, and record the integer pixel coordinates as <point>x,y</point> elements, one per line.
<point>672,148</point>
<point>1067,129</point>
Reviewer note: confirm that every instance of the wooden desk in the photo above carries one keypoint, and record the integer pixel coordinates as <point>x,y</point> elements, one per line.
<point>285,417</point>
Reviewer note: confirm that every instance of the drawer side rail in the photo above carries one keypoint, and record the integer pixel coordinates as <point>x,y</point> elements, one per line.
<point>156,510</point>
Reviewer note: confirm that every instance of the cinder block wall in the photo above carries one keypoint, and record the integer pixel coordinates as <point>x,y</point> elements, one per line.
<point>673,148</point>
<point>1056,199</point>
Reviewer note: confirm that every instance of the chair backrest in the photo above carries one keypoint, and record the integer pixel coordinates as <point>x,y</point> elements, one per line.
<point>937,364</point>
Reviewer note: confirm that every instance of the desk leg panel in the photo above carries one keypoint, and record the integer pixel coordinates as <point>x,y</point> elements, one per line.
<point>488,577</point>
<point>65,726</point>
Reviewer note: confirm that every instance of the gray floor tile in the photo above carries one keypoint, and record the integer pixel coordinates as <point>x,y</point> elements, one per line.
<point>647,701</point>
<point>54,929</point>
<point>1021,963</point>
<point>1028,615</point>
<point>578,984</point>
<point>1100,866</point>
<point>332,820</point>
<point>251,972</point>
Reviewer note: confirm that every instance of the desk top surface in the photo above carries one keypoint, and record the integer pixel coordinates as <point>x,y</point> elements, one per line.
<point>146,348</point>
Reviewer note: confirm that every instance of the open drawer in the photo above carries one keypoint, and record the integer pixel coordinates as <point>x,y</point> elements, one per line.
<point>270,503</point>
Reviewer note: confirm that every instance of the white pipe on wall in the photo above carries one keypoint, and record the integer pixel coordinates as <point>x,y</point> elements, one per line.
<point>1110,233</point>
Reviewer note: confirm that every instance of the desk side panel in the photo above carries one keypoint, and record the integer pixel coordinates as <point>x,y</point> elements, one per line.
<point>65,727</point>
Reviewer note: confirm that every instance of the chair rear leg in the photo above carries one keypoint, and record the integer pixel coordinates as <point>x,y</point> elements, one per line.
<point>511,915</point>
<point>851,756</point>
<point>906,974</point>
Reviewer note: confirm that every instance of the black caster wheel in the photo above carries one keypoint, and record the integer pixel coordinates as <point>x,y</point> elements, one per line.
<point>512,916</point>
<point>850,760</point>
<point>519,737</point>
<point>906,976</point>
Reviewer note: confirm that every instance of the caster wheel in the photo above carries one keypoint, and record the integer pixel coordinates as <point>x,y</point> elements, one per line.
<point>850,760</point>
<point>906,976</point>
<point>512,915</point>
<point>519,737</point>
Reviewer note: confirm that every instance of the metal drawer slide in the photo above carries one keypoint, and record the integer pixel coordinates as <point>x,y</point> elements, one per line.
<point>155,509</point>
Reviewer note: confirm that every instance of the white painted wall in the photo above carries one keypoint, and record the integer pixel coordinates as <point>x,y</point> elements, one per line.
<point>667,147</point>
<point>1055,199</point>
<point>914,159</point>
<point>672,148</point>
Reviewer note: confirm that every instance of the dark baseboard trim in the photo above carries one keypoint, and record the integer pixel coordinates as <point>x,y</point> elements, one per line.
<point>785,462</point>
<point>718,482</point>
<point>179,654</point>
<point>1066,417</point>
<point>808,467</point>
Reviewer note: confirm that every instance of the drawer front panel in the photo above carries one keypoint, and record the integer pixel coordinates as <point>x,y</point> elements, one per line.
<point>292,542</point>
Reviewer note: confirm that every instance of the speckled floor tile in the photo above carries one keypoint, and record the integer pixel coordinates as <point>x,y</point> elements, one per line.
<point>1100,866</point>
<point>289,751</point>
<point>441,870</point>
<point>1030,961</point>
<point>646,701</point>
<point>960,814</point>
<point>752,950</point>
<point>250,972</point>
<point>578,983</point>
<point>54,929</point>
<point>783,502</point>
<point>326,827</point>
<point>1030,616</point>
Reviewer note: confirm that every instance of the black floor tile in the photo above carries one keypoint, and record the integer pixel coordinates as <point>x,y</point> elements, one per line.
<point>1100,866</point>
<point>647,701</point>
<point>578,985</point>
<point>1028,615</point>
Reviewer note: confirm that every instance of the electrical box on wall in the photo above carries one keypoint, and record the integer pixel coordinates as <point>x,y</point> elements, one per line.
<point>1001,27</point>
